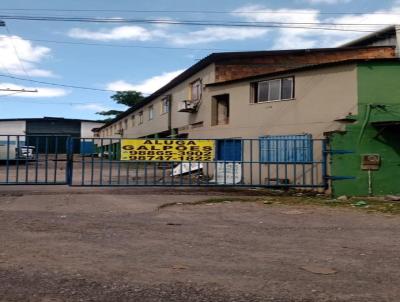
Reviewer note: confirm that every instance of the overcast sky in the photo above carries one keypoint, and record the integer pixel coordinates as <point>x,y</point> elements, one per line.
<point>24,53</point>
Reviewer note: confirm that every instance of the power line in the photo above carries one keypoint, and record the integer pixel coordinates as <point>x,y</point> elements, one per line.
<point>174,21</point>
<point>293,25</point>
<point>298,12</point>
<point>9,94</point>
<point>21,64</point>
<point>57,84</point>
<point>45,103</point>
<point>128,46</point>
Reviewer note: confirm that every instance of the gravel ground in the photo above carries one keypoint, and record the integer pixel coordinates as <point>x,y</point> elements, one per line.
<point>101,246</point>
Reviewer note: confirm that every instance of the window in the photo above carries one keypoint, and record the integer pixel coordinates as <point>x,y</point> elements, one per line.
<point>196,89</point>
<point>165,104</point>
<point>273,90</point>
<point>125,123</point>
<point>220,110</point>
<point>151,112</point>
<point>140,117</point>
<point>133,120</point>
<point>286,148</point>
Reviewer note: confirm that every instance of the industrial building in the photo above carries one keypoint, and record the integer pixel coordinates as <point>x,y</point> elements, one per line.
<point>47,132</point>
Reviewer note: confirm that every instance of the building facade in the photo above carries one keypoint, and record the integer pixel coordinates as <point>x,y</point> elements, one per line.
<point>184,103</point>
<point>275,98</point>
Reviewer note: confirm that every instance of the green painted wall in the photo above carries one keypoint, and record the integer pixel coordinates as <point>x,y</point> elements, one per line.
<point>378,100</point>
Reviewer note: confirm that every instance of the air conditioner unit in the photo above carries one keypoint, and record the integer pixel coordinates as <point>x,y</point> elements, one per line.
<point>187,106</point>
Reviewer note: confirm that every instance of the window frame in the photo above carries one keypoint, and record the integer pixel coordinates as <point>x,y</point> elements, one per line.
<point>255,90</point>
<point>166,100</point>
<point>140,114</point>
<point>133,120</point>
<point>151,112</point>
<point>199,90</point>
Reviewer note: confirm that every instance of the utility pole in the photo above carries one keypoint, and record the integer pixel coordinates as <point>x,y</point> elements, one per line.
<point>17,90</point>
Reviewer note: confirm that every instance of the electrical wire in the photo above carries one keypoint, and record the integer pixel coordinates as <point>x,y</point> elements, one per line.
<point>10,94</point>
<point>289,25</point>
<point>127,46</point>
<point>16,52</point>
<point>269,12</point>
<point>169,21</point>
<point>57,84</point>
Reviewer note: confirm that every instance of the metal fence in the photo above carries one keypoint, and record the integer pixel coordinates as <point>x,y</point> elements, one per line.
<point>274,162</point>
<point>33,159</point>
<point>296,162</point>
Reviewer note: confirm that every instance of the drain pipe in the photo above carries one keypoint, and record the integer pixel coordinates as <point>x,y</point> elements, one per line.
<point>365,123</point>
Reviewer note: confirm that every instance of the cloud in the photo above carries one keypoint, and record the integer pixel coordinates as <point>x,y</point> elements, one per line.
<point>28,54</point>
<point>213,34</point>
<point>42,92</point>
<point>94,107</point>
<point>132,33</point>
<point>327,1</point>
<point>309,32</point>
<point>147,86</point>
<point>291,38</point>
<point>165,32</point>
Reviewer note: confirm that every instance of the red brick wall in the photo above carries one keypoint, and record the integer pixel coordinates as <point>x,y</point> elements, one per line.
<point>242,67</point>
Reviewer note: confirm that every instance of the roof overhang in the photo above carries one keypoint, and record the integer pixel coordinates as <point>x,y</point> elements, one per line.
<point>380,34</point>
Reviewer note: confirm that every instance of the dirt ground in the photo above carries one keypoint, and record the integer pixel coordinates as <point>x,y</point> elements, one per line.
<point>118,245</point>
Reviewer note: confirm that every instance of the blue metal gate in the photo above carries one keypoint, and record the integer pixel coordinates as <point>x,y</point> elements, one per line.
<point>273,162</point>
<point>33,159</point>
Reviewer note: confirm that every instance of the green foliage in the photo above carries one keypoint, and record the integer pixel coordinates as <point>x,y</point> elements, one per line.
<point>110,112</point>
<point>127,98</point>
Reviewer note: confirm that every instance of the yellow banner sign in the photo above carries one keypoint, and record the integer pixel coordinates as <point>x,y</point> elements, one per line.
<point>167,150</point>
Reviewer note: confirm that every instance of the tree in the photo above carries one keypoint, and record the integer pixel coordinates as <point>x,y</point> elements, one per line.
<point>127,98</point>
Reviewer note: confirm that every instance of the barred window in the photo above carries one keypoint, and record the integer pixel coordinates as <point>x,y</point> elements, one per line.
<point>286,148</point>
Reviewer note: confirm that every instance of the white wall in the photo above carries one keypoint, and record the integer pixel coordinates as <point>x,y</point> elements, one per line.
<point>12,127</point>
<point>86,128</point>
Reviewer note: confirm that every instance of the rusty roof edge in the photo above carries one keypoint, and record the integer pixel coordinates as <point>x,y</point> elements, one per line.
<point>306,67</point>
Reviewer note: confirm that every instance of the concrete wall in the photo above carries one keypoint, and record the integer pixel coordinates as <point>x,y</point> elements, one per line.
<point>160,121</point>
<point>86,128</point>
<point>12,127</point>
<point>378,84</point>
<point>321,96</point>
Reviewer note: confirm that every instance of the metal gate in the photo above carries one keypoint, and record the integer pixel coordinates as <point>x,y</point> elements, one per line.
<point>271,161</point>
<point>33,159</point>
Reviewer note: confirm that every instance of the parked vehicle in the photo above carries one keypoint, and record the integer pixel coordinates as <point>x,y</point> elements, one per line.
<point>10,151</point>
